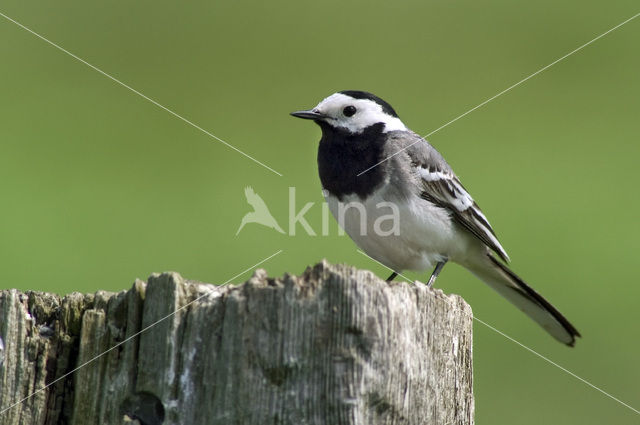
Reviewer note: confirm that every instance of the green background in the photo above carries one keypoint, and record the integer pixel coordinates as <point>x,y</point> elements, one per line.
<point>99,186</point>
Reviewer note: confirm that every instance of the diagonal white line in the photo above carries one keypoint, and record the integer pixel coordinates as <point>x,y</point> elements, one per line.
<point>522,345</point>
<point>192,124</point>
<point>504,91</point>
<point>557,365</point>
<point>136,334</point>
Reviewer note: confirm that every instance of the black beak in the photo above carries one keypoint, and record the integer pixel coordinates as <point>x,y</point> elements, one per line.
<point>308,115</point>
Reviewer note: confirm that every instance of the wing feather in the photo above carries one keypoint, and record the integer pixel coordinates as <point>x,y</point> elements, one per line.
<point>444,189</point>
<point>438,184</point>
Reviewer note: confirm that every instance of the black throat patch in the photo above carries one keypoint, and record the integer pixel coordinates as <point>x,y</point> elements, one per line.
<point>342,155</point>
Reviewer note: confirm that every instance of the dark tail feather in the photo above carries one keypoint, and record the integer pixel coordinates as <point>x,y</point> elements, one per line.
<point>516,291</point>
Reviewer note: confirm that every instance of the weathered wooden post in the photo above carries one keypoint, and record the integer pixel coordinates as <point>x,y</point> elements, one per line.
<point>333,346</point>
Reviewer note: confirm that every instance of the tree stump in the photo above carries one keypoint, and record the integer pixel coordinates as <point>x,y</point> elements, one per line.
<point>335,345</point>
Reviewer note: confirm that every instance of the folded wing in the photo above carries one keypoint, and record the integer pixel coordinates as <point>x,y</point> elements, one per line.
<point>441,186</point>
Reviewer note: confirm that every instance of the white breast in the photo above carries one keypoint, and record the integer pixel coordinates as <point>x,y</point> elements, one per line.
<point>423,233</point>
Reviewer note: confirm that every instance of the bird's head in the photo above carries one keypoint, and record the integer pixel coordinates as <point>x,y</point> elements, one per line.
<point>353,111</point>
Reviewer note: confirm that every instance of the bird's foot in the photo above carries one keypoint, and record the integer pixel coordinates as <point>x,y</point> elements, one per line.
<point>436,272</point>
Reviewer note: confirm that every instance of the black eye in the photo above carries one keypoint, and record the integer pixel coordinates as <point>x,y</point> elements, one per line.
<point>348,111</point>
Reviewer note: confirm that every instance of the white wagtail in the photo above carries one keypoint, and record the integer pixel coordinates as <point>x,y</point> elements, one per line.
<point>438,219</point>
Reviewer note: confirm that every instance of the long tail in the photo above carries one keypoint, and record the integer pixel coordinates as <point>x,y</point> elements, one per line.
<point>510,286</point>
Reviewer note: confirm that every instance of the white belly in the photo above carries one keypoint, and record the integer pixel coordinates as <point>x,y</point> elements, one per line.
<point>424,233</point>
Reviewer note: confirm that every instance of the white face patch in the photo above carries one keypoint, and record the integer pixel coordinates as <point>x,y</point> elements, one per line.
<point>367,114</point>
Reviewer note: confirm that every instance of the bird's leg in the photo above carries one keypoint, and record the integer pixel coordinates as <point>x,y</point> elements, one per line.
<point>393,276</point>
<point>436,272</point>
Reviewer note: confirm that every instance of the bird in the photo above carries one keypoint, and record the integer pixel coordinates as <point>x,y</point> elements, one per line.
<point>368,157</point>
<point>260,213</point>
